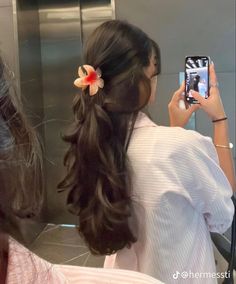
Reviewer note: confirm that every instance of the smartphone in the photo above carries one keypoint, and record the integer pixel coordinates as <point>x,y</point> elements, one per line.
<point>196,77</point>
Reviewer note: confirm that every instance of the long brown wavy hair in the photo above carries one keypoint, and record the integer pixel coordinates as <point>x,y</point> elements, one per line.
<point>21,186</point>
<point>98,172</point>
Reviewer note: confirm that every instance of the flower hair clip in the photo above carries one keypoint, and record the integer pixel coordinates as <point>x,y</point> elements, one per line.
<point>88,76</point>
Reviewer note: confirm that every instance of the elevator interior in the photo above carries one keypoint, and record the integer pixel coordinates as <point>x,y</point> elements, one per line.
<point>50,38</point>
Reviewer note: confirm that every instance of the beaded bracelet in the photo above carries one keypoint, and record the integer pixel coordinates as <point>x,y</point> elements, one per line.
<point>220,119</point>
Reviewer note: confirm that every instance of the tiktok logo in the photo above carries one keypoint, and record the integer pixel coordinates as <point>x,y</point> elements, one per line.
<point>176,275</point>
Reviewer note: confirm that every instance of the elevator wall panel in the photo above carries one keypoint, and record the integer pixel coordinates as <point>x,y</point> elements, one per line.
<point>188,28</point>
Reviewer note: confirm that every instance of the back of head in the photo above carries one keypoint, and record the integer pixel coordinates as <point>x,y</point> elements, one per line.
<point>20,159</point>
<point>98,170</point>
<point>121,51</point>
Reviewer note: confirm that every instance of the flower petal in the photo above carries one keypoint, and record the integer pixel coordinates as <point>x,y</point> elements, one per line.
<point>100,83</point>
<point>88,69</point>
<point>81,73</point>
<point>80,83</point>
<point>93,89</point>
<point>99,72</point>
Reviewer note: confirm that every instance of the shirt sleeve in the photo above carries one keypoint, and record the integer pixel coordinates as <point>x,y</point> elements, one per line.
<point>25,267</point>
<point>205,183</point>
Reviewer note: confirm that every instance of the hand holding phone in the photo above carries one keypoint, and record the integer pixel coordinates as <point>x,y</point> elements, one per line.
<point>213,106</point>
<point>179,114</point>
<point>196,77</point>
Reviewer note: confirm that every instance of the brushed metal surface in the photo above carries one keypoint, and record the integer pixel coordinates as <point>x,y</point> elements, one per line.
<point>93,13</point>
<point>48,50</point>
<point>64,25</point>
<point>61,49</point>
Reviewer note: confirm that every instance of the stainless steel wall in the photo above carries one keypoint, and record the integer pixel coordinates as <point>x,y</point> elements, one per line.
<point>8,36</point>
<point>50,35</point>
<point>93,13</point>
<point>61,48</point>
<point>29,60</point>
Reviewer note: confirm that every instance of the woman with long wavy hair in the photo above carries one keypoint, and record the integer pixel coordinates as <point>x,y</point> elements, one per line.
<point>143,192</point>
<point>21,196</point>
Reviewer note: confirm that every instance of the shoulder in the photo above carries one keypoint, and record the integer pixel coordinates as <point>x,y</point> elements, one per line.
<point>187,142</point>
<point>170,141</point>
<point>144,124</point>
<point>189,138</point>
<point>102,275</point>
<point>148,130</point>
<point>26,267</point>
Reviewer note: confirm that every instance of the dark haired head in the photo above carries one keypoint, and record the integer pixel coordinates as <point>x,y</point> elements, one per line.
<point>21,192</point>
<point>122,51</point>
<point>98,170</point>
<point>20,158</point>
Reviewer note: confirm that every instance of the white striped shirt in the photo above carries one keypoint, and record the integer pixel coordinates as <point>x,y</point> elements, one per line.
<point>180,194</point>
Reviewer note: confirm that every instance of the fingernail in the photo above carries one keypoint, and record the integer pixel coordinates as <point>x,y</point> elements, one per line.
<point>212,63</point>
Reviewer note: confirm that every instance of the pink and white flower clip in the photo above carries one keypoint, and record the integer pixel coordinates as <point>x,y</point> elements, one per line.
<point>88,76</point>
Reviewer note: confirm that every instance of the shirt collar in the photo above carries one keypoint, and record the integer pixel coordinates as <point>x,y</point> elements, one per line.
<point>143,120</point>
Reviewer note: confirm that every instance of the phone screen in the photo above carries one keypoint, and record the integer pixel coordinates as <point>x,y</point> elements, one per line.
<point>196,77</point>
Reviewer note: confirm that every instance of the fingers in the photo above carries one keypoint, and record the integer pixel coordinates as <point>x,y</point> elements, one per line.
<point>182,104</point>
<point>178,94</point>
<point>182,87</point>
<point>193,108</point>
<point>213,77</point>
<point>198,97</point>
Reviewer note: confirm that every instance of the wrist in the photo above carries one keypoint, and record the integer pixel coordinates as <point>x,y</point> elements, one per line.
<point>227,146</point>
<point>222,124</point>
<point>217,120</point>
<point>176,123</point>
<point>221,132</point>
<point>219,116</point>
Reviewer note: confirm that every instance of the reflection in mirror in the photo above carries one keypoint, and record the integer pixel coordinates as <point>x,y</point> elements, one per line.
<point>43,44</point>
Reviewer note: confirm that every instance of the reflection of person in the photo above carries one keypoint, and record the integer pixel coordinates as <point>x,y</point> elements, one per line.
<point>194,83</point>
<point>202,88</point>
<point>151,206</point>
<point>21,196</point>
